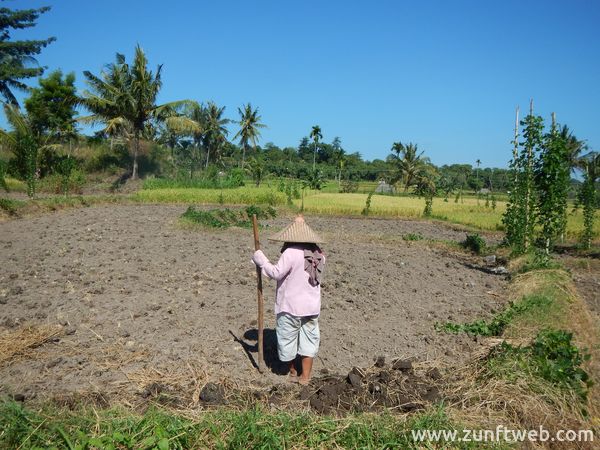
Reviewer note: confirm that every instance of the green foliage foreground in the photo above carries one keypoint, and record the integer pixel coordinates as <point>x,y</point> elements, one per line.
<point>87,428</point>
<point>552,357</point>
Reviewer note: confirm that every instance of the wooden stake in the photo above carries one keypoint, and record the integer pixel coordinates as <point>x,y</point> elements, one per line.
<point>259,290</point>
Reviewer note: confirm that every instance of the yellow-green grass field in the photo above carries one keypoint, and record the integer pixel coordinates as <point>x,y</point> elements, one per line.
<point>245,195</point>
<point>469,212</point>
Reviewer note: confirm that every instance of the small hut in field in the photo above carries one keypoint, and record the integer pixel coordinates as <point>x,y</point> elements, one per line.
<point>384,188</point>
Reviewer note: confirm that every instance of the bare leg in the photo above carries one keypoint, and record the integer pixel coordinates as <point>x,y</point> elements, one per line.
<point>292,368</point>
<point>307,363</point>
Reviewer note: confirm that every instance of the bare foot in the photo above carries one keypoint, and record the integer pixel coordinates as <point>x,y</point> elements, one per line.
<point>303,381</point>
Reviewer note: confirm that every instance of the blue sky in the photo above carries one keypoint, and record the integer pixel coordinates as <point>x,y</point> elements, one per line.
<point>446,75</point>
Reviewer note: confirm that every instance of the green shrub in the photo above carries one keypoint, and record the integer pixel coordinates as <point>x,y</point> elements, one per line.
<point>538,259</point>
<point>102,158</point>
<point>62,184</point>
<point>349,186</point>
<point>10,206</point>
<point>552,356</point>
<point>235,178</point>
<point>475,243</point>
<point>225,218</point>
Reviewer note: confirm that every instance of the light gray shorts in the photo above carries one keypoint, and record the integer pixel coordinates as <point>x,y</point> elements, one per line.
<point>297,336</point>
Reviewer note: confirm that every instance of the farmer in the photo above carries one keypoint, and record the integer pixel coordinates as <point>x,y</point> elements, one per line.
<point>298,297</point>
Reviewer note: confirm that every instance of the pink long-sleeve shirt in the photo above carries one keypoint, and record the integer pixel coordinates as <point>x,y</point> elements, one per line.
<point>294,293</point>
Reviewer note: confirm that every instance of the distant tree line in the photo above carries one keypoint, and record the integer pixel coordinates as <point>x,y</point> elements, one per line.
<point>186,139</point>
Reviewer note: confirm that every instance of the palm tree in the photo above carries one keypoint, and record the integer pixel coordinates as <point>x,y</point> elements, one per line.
<point>408,162</point>
<point>215,131</point>
<point>191,123</point>
<point>124,99</point>
<point>315,135</point>
<point>197,114</point>
<point>574,146</point>
<point>249,128</point>
<point>478,162</point>
<point>589,164</point>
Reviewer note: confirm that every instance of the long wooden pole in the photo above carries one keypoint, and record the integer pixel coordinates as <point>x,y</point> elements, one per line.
<point>259,290</point>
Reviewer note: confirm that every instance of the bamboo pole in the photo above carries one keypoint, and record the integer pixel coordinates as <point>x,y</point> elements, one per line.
<point>259,290</point>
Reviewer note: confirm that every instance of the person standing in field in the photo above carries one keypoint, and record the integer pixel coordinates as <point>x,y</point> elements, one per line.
<point>298,296</point>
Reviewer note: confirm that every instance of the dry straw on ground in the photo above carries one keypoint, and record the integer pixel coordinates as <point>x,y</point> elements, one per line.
<point>21,342</point>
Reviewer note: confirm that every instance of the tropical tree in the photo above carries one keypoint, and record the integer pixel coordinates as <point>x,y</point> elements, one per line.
<point>338,158</point>
<point>590,166</point>
<point>316,136</point>
<point>123,99</point>
<point>17,57</point>
<point>171,139</point>
<point>552,177</point>
<point>24,141</point>
<point>51,106</point>
<point>215,130</point>
<point>426,186</point>
<point>407,162</point>
<point>519,217</point>
<point>3,170</point>
<point>257,170</point>
<point>249,128</point>
<point>574,146</point>
<point>183,135</point>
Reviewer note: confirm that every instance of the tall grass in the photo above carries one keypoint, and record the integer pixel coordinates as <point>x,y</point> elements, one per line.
<point>15,185</point>
<point>247,195</point>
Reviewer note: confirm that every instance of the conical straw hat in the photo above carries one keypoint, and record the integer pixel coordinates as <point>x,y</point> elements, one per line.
<point>298,231</point>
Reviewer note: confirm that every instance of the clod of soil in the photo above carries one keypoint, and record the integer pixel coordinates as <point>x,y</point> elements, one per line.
<point>403,390</point>
<point>212,393</point>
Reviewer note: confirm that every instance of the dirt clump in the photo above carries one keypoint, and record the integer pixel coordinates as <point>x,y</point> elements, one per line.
<point>397,387</point>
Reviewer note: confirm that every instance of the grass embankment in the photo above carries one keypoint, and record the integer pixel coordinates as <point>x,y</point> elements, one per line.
<point>88,427</point>
<point>542,367</point>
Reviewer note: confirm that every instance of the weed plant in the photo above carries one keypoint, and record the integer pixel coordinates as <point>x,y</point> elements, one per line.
<point>225,218</point>
<point>496,325</point>
<point>475,243</point>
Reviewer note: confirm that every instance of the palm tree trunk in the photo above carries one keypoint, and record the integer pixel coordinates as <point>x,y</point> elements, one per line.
<point>243,155</point>
<point>136,148</point>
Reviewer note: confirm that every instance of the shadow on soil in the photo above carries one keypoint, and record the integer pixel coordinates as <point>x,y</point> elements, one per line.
<point>249,343</point>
